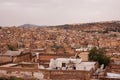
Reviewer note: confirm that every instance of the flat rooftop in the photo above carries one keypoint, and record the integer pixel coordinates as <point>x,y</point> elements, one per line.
<point>9,65</point>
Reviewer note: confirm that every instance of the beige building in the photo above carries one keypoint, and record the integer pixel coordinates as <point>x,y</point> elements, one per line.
<point>84,56</point>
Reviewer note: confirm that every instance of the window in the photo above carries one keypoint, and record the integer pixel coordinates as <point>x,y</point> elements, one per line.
<point>63,65</point>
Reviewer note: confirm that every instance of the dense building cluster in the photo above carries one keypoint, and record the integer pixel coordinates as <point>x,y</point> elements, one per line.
<point>66,38</point>
<point>31,50</point>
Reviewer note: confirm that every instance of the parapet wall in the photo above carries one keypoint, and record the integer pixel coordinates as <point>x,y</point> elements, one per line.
<point>47,57</point>
<point>69,74</point>
<point>47,74</point>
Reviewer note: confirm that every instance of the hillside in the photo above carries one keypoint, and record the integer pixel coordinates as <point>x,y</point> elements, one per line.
<point>30,26</point>
<point>98,26</point>
<point>67,37</point>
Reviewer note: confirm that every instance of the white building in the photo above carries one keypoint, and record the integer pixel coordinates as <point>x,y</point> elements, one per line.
<point>71,64</point>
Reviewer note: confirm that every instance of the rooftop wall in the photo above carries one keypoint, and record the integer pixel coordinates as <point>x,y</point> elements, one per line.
<point>48,74</point>
<point>47,57</point>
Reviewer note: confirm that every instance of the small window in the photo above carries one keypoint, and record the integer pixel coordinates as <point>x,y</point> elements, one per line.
<point>63,65</point>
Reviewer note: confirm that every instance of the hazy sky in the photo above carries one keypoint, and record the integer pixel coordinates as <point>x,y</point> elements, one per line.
<point>54,12</point>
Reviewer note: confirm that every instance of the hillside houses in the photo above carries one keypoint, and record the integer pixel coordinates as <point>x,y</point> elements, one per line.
<point>40,45</point>
<point>40,37</point>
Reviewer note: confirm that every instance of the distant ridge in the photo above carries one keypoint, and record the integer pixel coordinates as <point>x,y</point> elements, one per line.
<point>62,25</point>
<point>29,25</point>
<point>93,26</point>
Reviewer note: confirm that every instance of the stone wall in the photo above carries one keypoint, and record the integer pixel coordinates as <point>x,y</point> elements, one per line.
<point>109,79</point>
<point>25,57</point>
<point>84,56</point>
<point>46,74</point>
<point>47,57</point>
<point>113,68</point>
<point>5,59</point>
<point>69,74</point>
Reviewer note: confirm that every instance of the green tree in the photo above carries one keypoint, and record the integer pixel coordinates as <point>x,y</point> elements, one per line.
<point>99,55</point>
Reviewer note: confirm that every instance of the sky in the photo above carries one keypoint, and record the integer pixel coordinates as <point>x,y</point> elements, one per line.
<point>57,12</point>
